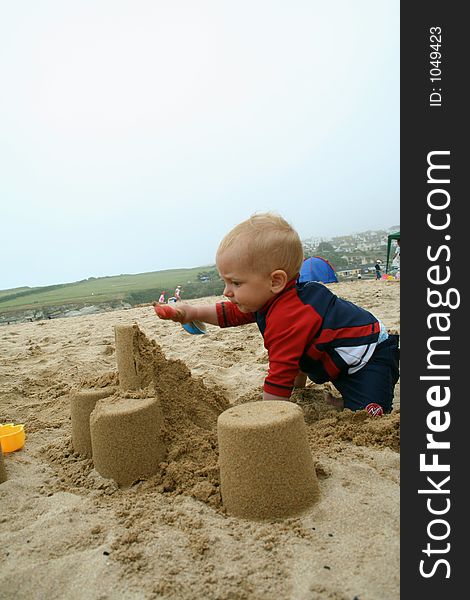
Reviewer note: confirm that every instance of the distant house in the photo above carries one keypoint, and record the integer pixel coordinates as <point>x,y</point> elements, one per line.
<point>349,273</point>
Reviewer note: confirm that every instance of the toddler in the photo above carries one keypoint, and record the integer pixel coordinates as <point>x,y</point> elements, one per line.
<point>308,331</point>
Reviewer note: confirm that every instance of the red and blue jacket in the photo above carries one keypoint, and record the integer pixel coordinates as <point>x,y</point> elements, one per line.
<point>306,327</point>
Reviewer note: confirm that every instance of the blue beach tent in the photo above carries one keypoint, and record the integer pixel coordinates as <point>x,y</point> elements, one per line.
<point>317,269</point>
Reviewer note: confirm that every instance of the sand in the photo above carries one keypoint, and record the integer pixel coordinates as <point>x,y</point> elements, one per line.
<point>67,532</point>
<point>3,472</point>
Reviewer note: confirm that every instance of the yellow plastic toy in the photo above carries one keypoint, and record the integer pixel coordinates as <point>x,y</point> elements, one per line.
<point>12,437</point>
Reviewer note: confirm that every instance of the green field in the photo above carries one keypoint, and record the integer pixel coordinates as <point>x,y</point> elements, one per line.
<point>142,287</point>
<point>12,291</point>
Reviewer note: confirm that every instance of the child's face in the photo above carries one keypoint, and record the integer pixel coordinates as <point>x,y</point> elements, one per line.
<point>248,290</point>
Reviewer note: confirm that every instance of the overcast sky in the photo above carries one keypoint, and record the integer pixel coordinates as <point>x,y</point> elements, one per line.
<point>135,133</point>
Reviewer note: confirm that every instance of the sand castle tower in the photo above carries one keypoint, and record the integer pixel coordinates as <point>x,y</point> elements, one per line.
<point>130,363</point>
<point>81,406</point>
<point>266,467</point>
<point>126,439</point>
<point>121,433</point>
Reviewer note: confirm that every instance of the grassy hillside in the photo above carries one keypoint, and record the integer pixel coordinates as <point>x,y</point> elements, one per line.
<point>13,291</point>
<point>143,287</point>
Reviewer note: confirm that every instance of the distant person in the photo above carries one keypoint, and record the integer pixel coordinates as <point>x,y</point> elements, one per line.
<point>396,257</point>
<point>162,298</point>
<point>378,270</point>
<point>359,276</point>
<point>308,331</point>
<point>178,293</point>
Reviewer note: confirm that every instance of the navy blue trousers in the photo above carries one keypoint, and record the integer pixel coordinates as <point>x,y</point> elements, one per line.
<point>376,381</point>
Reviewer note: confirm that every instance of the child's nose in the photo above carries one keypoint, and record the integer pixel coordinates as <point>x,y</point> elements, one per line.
<point>228,291</point>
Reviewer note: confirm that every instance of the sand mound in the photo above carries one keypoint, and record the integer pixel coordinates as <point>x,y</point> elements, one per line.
<point>328,427</point>
<point>190,412</point>
<point>66,532</point>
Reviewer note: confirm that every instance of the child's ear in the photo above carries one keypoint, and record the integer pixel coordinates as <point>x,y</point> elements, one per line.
<point>279,280</point>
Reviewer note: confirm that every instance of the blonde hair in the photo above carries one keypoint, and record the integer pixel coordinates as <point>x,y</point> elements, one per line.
<point>269,243</point>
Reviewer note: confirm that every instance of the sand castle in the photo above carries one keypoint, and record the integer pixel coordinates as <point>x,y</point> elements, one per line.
<point>133,374</point>
<point>266,467</point>
<point>126,438</point>
<point>120,433</point>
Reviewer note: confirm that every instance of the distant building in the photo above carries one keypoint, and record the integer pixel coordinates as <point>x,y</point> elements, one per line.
<point>347,273</point>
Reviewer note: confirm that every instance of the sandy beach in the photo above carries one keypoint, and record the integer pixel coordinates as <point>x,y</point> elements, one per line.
<point>68,533</point>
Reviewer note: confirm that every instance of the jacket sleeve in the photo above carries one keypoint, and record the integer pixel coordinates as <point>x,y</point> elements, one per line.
<point>286,338</point>
<point>229,315</point>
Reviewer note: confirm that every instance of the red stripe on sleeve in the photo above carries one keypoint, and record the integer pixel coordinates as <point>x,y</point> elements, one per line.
<point>328,335</point>
<point>330,366</point>
<point>229,315</point>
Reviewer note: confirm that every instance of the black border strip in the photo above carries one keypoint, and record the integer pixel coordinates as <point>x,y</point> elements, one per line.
<point>436,124</point>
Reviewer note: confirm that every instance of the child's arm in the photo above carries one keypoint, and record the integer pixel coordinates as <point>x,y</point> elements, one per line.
<point>300,381</point>
<point>267,396</point>
<point>185,313</point>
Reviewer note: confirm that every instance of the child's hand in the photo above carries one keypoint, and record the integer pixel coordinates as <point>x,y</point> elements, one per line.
<point>166,312</point>
<point>182,314</point>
